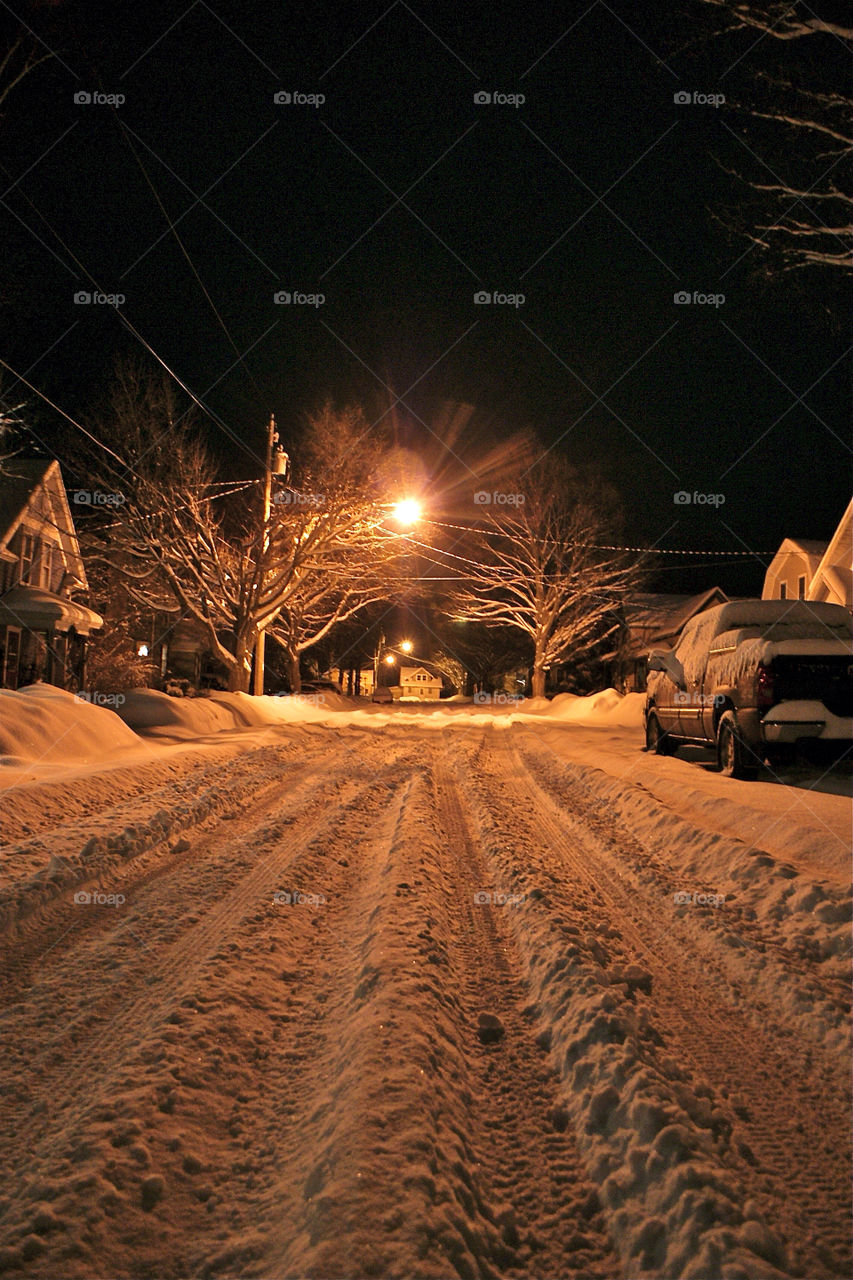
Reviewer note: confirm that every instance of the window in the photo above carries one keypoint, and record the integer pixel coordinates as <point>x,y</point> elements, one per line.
<point>44,564</point>
<point>783,591</point>
<point>25,558</point>
<point>801,587</point>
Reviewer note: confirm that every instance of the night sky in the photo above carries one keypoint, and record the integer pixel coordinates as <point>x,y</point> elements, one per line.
<point>399,198</point>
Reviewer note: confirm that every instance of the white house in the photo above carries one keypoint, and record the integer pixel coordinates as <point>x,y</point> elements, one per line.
<point>792,568</point>
<point>417,682</point>
<point>42,630</point>
<point>804,569</point>
<point>833,578</point>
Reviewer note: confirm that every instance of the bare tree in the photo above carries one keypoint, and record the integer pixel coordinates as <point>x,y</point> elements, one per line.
<point>545,568</point>
<point>17,61</point>
<point>184,541</point>
<point>358,560</point>
<point>809,137</point>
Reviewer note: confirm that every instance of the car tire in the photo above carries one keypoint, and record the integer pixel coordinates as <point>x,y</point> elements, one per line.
<point>658,742</point>
<point>735,758</point>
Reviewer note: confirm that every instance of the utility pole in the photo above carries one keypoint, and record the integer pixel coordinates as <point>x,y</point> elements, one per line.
<point>260,643</point>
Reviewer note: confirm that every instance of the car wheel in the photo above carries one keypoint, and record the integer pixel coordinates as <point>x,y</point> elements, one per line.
<point>658,742</point>
<point>735,758</point>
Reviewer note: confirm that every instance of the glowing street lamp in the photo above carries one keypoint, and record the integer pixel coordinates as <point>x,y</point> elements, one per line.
<point>407,512</point>
<point>390,659</point>
<point>407,646</point>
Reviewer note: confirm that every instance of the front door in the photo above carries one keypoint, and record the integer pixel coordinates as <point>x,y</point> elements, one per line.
<point>10,658</point>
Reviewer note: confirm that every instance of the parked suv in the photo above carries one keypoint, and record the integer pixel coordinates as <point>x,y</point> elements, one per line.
<point>753,678</point>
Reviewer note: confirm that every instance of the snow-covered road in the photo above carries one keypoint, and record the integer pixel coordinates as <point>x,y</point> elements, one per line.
<point>419,995</point>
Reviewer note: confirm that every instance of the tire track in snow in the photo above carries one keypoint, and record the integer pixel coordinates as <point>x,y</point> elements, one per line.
<point>528,1162</point>
<point>169,974</point>
<point>794,1153</point>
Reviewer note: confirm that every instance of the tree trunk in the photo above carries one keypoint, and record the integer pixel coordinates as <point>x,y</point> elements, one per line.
<point>238,678</point>
<point>538,678</point>
<point>294,673</point>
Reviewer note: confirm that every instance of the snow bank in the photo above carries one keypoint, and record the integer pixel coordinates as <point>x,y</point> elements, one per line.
<point>149,711</point>
<point>605,708</point>
<point>41,723</point>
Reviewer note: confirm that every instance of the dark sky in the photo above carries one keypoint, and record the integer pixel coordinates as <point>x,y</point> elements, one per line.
<point>397,199</point>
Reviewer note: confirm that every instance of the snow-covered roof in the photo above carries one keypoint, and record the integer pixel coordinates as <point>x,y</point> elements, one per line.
<point>654,617</point>
<point>409,673</point>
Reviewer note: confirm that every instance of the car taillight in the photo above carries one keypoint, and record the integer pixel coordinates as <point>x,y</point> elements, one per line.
<point>765,688</point>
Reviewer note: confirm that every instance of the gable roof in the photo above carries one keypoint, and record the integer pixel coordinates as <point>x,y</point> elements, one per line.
<point>20,481</point>
<point>407,673</point>
<point>653,616</point>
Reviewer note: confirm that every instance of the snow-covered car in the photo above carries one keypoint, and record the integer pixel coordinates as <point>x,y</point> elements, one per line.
<point>754,678</point>
<point>382,694</point>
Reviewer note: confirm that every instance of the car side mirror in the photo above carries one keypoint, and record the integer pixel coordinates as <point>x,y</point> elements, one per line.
<point>665,660</point>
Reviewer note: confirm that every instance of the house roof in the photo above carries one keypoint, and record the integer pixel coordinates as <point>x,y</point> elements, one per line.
<point>655,615</point>
<point>406,673</point>
<point>18,479</point>
<point>811,546</point>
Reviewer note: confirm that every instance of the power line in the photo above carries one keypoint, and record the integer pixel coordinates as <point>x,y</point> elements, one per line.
<point>603,546</point>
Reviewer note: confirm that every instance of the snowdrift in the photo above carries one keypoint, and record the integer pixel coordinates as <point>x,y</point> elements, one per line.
<point>41,723</point>
<point>148,711</point>
<point>605,708</point>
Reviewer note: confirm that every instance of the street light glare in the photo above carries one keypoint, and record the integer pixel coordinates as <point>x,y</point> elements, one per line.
<point>390,659</point>
<point>406,646</point>
<point>407,512</point>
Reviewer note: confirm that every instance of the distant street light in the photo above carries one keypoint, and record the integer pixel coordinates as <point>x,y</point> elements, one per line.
<point>407,646</point>
<point>390,659</point>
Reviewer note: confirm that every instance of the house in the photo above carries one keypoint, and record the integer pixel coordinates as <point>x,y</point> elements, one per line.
<point>805,569</point>
<point>833,578</point>
<point>356,678</point>
<point>417,682</point>
<point>655,621</point>
<point>43,631</point>
<point>792,569</point>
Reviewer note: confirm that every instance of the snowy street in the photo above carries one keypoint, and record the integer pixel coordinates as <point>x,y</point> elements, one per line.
<point>413,995</point>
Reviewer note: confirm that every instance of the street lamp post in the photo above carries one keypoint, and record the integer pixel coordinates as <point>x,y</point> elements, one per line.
<point>277,462</point>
